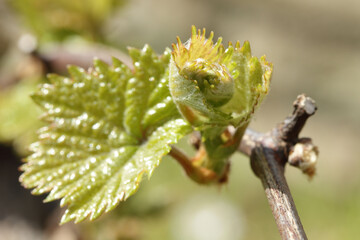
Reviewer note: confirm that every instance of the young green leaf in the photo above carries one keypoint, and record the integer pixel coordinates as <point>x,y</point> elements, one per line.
<point>107,127</point>
<point>213,88</point>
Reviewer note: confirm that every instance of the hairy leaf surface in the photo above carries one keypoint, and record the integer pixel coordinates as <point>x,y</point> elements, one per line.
<point>107,127</point>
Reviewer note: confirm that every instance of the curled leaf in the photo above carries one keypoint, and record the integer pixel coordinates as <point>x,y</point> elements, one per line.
<point>214,86</point>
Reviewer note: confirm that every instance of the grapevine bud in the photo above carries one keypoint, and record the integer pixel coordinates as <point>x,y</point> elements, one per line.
<point>214,86</point>
<point>304,155</point>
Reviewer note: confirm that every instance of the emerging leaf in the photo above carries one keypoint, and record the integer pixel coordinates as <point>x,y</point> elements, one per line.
<point>214,86</point>
<point>107,127</point>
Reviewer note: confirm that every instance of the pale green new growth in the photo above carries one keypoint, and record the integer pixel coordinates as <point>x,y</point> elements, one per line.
<point>107,127</point>
<point>111,124</point>
<point>215,86</point>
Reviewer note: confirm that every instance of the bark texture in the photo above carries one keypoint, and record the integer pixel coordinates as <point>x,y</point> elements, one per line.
<point>269,154</point>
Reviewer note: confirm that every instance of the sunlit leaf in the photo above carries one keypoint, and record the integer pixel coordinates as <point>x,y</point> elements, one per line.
<point>107,128</point>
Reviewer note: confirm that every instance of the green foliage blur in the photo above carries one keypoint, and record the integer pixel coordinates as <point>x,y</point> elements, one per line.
<point>314,49</point>
<point>57,20</point>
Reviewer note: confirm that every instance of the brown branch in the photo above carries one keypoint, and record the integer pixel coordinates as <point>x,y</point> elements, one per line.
<point>304,107</point>
<point>270,152</point>
<point>266,166</point>
<point>286,132</point>
<point>248,141</point>
<point>268,155</point>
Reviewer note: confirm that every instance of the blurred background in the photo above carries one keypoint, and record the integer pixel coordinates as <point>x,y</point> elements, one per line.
<point>315,49</point>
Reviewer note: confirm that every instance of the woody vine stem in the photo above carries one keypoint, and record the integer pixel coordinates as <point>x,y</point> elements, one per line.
<point>269,154</point>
